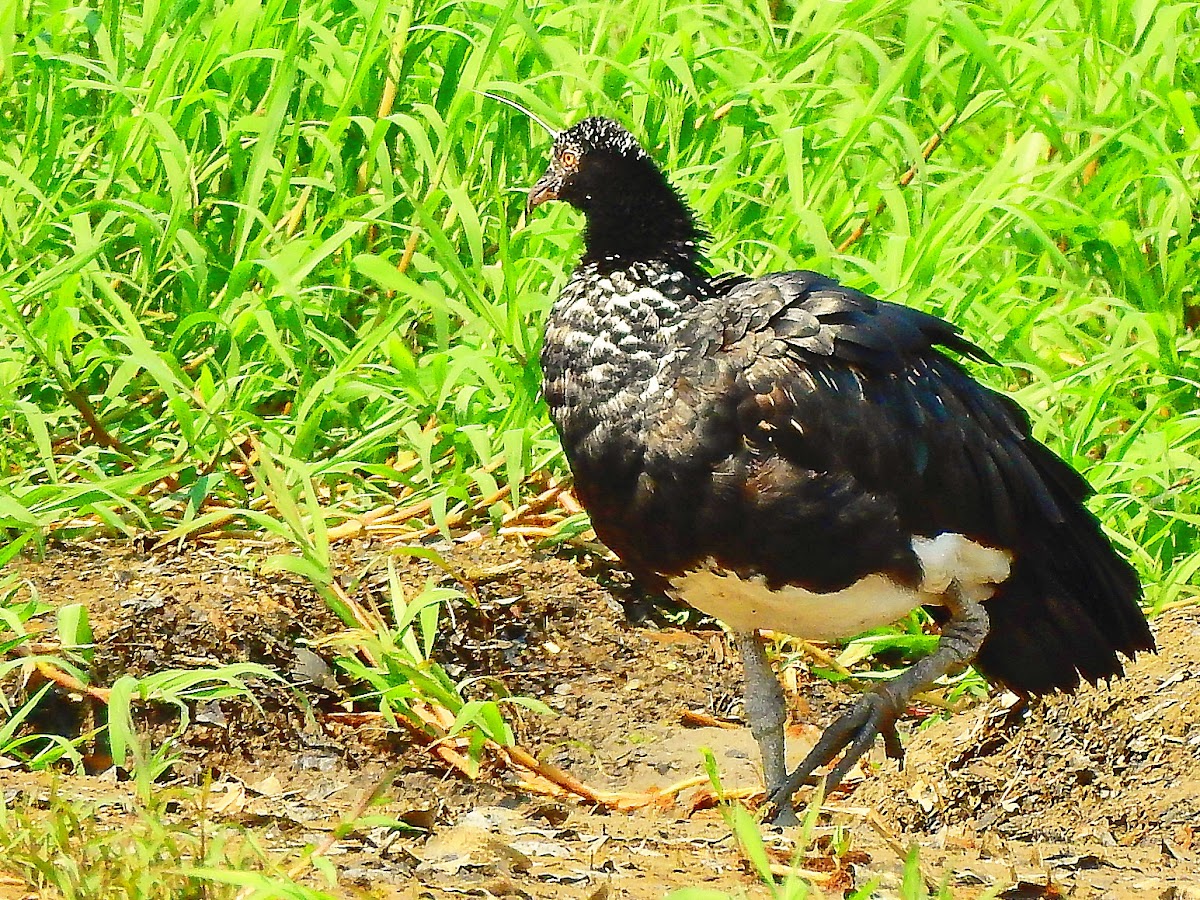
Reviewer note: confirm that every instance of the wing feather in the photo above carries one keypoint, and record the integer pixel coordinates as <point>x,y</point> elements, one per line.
<point>834,391</point>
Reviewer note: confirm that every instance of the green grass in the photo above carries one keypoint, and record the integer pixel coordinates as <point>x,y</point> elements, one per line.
<point>264,266</point>
<point>292,232</point>
<point>164,851</point>
<point>30,665</point>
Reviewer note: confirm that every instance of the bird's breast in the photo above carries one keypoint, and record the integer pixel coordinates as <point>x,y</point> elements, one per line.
<point>609,339</point>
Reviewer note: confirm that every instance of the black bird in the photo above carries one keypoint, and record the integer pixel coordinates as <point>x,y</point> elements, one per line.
<point>787,453</point>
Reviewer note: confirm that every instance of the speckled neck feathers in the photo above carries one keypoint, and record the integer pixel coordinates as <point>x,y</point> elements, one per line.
<point>608,339</point>
<point>611,333</point>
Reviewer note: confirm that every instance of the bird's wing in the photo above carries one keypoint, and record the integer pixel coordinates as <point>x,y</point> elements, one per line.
<point>831,381</point>
<point>848,431</point>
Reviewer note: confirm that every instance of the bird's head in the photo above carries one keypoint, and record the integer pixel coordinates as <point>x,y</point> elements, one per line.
<point>591,163</point>
<point>633,211</point>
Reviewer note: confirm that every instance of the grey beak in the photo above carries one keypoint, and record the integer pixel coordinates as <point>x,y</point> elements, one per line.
<point>546,189</point>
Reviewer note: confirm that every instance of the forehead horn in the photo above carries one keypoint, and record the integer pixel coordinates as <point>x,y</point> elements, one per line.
<point>530,114</point>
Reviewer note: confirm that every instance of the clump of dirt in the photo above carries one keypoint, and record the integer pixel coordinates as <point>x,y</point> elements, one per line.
<point>152,612</point>
<point>1113,764</point>
<point>1095,793</point>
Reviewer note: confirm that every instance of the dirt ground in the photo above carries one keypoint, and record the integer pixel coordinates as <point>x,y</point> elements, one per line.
<point>1092,796</point>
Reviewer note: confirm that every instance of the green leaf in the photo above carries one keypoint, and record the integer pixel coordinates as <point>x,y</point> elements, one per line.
<point>75,631</point>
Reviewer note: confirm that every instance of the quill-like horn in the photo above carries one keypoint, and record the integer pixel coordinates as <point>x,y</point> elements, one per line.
<point>517,106</point>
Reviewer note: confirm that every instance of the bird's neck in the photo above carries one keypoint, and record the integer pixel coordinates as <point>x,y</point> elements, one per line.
<point>652,226</point>
<point>633,307</point>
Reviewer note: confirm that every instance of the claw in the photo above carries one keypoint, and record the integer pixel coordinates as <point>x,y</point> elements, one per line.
<point>851,736</point>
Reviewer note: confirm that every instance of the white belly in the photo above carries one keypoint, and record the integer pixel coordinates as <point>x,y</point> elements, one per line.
<point>876,600</point>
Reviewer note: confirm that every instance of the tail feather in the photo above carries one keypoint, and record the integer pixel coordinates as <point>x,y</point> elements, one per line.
<point>1070,610</point>
<point>1020,651</point>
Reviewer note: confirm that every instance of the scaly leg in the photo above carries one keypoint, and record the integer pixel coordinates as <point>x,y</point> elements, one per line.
<point>876,712</point>
<point>767,713</point>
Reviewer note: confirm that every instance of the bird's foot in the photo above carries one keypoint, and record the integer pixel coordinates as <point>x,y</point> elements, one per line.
<point>781,811</point>
<point>783,814</point>
<point>852,736</point>
<point>876,713</point>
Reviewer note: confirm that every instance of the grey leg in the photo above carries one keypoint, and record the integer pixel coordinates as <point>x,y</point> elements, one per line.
<point>767,712</point>
<point>876,712</point>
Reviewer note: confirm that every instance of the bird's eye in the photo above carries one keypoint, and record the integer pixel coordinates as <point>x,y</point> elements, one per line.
<point>569,159</point>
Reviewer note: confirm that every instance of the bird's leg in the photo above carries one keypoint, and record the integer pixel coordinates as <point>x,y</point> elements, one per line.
<point>877,711</point>
<point>767,713</point>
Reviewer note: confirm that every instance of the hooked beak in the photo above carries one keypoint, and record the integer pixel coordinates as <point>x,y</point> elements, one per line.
<point>546,189</point>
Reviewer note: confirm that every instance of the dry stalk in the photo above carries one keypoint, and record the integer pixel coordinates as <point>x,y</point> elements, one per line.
<point>930,146</point>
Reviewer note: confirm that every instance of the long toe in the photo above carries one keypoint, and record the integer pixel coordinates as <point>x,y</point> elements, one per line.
<point>851,736</point>
<point>875,714</point>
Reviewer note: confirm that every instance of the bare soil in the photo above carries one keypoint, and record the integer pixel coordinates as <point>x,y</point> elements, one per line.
<point>1096,795</point>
